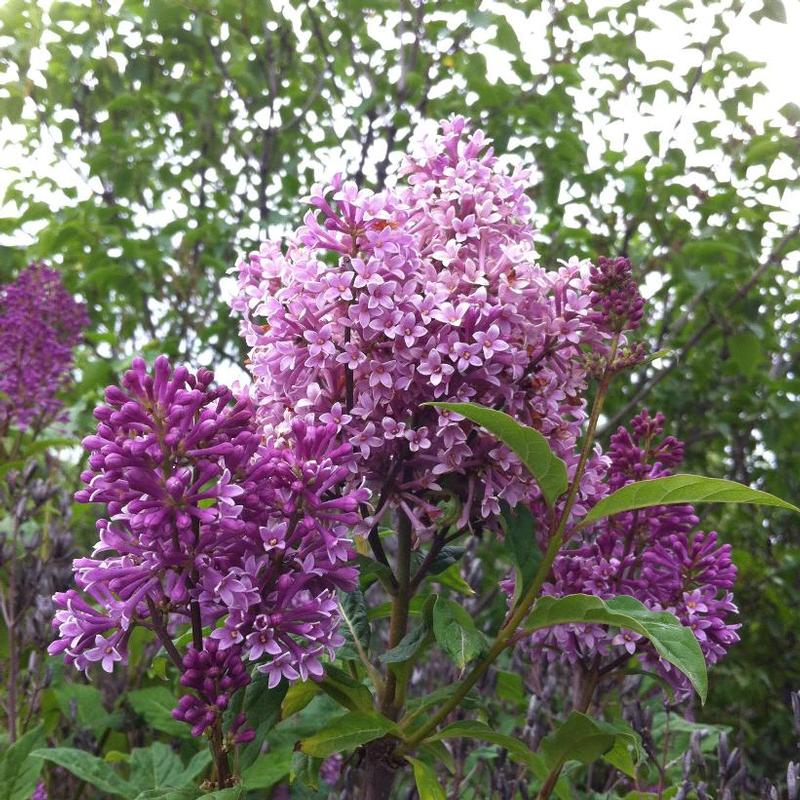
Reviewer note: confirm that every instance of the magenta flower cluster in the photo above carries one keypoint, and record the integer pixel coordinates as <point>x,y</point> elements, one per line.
<point>428,291</point>
<point>214,674</point>
<point>619,306</point>
<point>209,524</point>
<point>40,324</point>
<point>654,554</point>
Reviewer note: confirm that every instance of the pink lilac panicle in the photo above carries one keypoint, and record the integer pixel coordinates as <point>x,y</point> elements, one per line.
<point>654,555</point>
<point>40,324</point>
<point>429,291</point>
<point>202,513</point>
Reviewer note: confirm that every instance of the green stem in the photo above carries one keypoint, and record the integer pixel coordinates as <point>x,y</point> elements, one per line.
<point>506,634</point>
<point>400,609</point>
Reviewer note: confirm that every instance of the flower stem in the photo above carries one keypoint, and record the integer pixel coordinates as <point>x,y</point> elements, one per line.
<point>400,608</point>
<point>506,634</point>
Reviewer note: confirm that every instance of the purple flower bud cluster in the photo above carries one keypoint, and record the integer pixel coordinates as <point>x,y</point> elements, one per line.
<point>427,291</point>
<point>40,324</point>
<point>214,675</point>
<point>208,522</point>
<point>653,554</point>
<point>618,304</point>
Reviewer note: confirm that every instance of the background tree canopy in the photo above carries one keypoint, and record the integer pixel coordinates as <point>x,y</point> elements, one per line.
<point>164,138</point>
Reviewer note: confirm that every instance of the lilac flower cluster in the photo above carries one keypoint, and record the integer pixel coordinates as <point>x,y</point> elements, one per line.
<point>428,291</point>
<point>619,305</point>
<point>653,554</point>
<point>208,524</point>
<point>214,674</point>
<point>40,324</point>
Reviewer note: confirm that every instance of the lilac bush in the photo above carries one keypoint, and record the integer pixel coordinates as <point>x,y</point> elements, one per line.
<point>40,324</point>
<point>232,519</point>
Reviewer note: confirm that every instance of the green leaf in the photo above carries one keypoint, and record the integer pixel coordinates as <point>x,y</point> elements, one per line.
<point>579,738</point>
<point>354,614</point>
<point>416,640</point>
<point>234,793</point>
<point>680,489</point>
<point>418,705</point>
<point>627,751</point>
<point>673,641</point>
<point>155,766</point>
<point>428,786</point>
<point>772,9</point>
<point>262,707</point>
<point>86,702</point>
<point>455,631</point>
<point>370,570</point>
<point>304,774</point>
<point>451,578</point>
<point>198,764</point>
<point>521,540</point>
<point>154,704</point>
<point>268,769</point>
<point>347,732</point>
<point>409,646</point>
<point>170,793</point>
<point>517,750</point>
<point>346,690</point>
<point>298,696</point>
<point>19,774</point>
<point>444,559</point>
<point>529,445</point>
<point>88,768</point>
<point>791,111</point>
<point>474,729</point>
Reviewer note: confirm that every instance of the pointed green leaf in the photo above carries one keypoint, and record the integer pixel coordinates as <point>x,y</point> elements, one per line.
<point>529,445</point>
<point>408,647</point>
<point>346,733</point>
<point>354,613</point>
<point>171,793</point>
<point>268,769</point>
<point>262,707</point>
<point>155,766</point>
<point>18,773</point>
<point>680,489</point>
<point>346,690</point>
<point>627,751</point>
<point>298,696</point>
<point>197,765</point>
<point>416,640</point>
<point>88,768</point>
<point>474,729</point>
<point>520,538</point>
<point>579,738</point>
<point>456,633</point>
<point>673,642</point>
<point>517,751</point>
<point>154,704</point>
<point>428,786</point>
